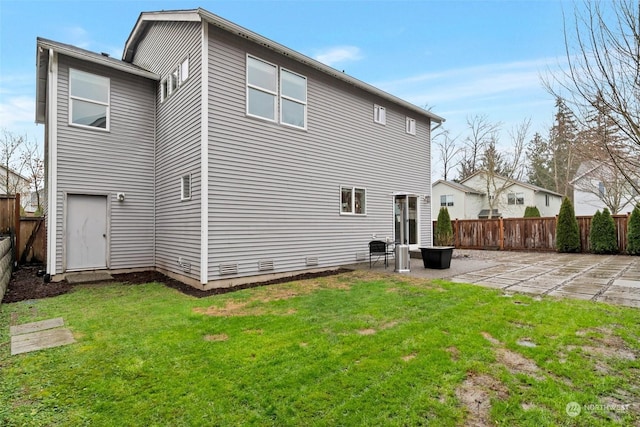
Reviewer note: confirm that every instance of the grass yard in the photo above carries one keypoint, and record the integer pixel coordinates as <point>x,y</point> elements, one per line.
<point>352,349</point>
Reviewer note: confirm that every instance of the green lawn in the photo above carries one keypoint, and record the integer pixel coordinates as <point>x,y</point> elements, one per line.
<point>352,349</point>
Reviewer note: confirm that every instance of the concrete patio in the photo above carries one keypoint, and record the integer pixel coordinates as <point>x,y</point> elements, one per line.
<point>613,279</point>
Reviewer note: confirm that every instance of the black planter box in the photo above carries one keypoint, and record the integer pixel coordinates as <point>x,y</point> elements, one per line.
<point>437,256</point>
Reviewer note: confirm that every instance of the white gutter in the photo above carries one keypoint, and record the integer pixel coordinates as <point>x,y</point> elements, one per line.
<point>52,139</point>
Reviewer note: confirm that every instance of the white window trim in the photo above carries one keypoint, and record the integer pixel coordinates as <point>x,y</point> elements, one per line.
<point>92,101</point>
<point>173,81</point>
<point>446,200</point>
<point>184,196</point>
<point>353,200</point>
<point>379,114</point>
<point>411,126</point>
<point>261,89</point>
<point>297,101</point>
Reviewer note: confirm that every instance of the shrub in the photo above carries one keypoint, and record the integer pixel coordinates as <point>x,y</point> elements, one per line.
<point>567,231</point>
<point>602,236</point>
<point>633,232</point>
<point>531,212</point>
<point>444,230</point>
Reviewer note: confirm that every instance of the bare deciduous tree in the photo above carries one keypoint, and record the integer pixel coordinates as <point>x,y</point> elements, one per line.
<point>481,133</point>
<point>448,152</point>
<point>33,161</point>
<point>11,163</point>
<point>603,53</point>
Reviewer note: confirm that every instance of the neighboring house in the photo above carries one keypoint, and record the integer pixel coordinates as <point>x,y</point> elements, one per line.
<point>469,199</point>
<point>461,201</point>
<point>218,157</point>
<point>598,185</point>
<point>13,183</point>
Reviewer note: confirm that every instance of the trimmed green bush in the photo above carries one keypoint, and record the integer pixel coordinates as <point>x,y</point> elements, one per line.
<point>633,232</point>
<point>531,212</point>
<point>444,230</point>
<point>602,236</point>
<point>567,231</point>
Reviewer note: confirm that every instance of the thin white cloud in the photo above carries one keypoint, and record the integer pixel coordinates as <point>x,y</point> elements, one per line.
<point>77,36</point>
<point>339,54</point>
<point>17,110</point>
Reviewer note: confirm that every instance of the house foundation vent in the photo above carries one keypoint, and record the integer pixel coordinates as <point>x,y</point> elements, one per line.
<point>312,260</point>
<point>229,268</point>
<point>265,265</point>
<point>361,256</point>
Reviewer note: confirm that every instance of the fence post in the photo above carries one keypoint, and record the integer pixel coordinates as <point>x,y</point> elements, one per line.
<point>501,234</point>
<point>456,234</point>
<point>16,227</point>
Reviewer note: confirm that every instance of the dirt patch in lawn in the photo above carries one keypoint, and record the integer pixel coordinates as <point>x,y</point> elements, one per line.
<point>475,393</point>
<point>216,337</point>
<point>602,342</point>
<point>367,331</point>
<point>27,283</point>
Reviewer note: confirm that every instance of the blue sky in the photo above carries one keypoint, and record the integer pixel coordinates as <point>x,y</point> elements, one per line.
<point>462,58</point>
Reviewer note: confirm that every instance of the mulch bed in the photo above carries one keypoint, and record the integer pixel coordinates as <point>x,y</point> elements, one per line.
<point>25,283</point>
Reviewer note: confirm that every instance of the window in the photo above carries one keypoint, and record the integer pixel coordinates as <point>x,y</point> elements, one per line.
<point>264,96</point>
<point>184,70</point>
<point>547,199</point>
<point>601,189</point>
<point>293,93</point>
<point>353,200</point>
<point>185,187</point>
<point>171,83</point>
<point>446,200</point>
<point>411,126</point>
<point>174,79</point>
<point>515,198</point>
<point>89,99</point>
<point>262,91</point>
<point>379,114</point>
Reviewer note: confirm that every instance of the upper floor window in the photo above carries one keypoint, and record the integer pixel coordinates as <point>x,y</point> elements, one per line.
<point>446,200</point>
<point>265,95</point>
<point>379,114</point>
<point>262,88</point>
<point>176,78</point>
<point>293,91</point>
<point>515,198</point>
<point>88,99</point>
<point>411,126</point>
<point>353,200</point>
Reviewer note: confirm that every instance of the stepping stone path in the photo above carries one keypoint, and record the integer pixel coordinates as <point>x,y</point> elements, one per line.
<point>39,335</point>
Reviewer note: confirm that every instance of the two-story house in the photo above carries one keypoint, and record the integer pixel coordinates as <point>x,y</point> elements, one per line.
<point>218,156</point>
<point>479,193</point>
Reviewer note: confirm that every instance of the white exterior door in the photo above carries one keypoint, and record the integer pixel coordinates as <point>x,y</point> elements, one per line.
<point>86,246</point>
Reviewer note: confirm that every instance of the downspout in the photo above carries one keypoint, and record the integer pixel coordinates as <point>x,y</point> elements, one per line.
<point>51,117</point>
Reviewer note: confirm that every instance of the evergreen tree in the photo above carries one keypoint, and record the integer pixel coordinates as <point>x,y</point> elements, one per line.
<point>444,230</point>
<point>602,236</point>
<point>539,170</point>
<point>567,230</point>
<point>633,232</point>
<point>531,212</point>
<point>564,156</point>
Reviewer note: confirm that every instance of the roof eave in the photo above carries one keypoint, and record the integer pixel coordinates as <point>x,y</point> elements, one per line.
<point>95,58</point>
<point>202,14</point>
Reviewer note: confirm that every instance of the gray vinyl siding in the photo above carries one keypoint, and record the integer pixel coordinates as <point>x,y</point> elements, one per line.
<point>121,160</point>
<point>274,191</point>
<point>164,46</point>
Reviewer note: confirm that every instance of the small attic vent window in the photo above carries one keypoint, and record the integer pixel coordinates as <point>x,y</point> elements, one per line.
<point>185,187</point>
<point>312,260</point>
<point>265,264</point>
<point>229,268</point>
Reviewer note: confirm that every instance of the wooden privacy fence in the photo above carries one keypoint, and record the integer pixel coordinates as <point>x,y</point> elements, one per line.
<point>524,234</point>
<point>29,233</point>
